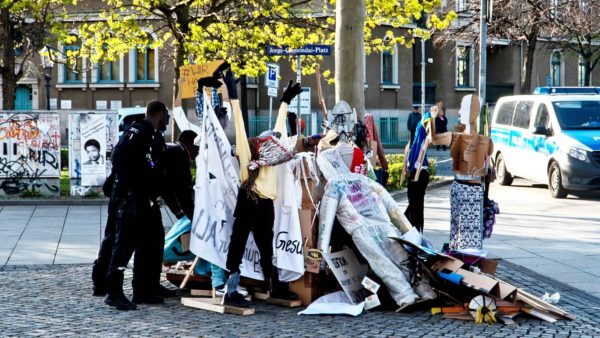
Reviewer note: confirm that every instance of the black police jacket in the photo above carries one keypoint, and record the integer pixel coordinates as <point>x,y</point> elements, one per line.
<point>177,191</point>
<point>136,162</point>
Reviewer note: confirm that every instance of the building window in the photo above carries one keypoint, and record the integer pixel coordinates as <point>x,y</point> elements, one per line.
<point>464,66</point>
<point>581,72</point>
<point>144,65</point>
<point>109,71</point>
<point>253,80</point>
<point>73,65</point>
<point>389,66</point>
<point>555,68</point>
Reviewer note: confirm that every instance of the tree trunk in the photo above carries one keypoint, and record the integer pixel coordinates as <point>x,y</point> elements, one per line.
<point>587,73</point>
<point>349,49</point>
<point>527,66</point>
<point>7,70</point>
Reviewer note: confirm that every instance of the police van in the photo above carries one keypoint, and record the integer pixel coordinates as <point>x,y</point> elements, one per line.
<point>552,139</point>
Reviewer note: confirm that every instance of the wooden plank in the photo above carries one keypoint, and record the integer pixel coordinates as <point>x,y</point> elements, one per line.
<point>261,295</point>
<point>284,302</point>
<point>266,296</point>
<point>538,303</point>
<point>204,304</point>
<point>540,314</point>
<point>214,305</point>
<point>201,293</point>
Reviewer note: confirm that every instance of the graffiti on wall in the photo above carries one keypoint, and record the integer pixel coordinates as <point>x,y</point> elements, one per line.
<point>29,153</point>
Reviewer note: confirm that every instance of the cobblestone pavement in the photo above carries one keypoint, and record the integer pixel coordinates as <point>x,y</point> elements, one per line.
<point>55,300</point>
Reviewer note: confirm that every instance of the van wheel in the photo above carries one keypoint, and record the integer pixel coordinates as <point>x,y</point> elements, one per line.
<point>555,182</point>
<point>503,176</point>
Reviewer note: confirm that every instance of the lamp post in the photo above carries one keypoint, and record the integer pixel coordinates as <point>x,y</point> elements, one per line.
<point>47,64</point>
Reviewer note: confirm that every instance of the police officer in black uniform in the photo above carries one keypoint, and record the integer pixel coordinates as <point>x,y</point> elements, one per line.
<point>138,225</point>
<point>178,192</point>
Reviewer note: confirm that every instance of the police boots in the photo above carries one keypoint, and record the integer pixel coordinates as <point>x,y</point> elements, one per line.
<point>114,287</point>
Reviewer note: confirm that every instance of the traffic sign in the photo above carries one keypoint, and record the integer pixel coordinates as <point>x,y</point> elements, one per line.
<point>272,91</point>
<point>304,102</point>
<point>272,75</point>
<point>304,50</point>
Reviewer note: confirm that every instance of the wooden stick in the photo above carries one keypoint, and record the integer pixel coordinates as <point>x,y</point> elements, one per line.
<point>320,93</point>
<point>189,273</point>
<point>404,163</point>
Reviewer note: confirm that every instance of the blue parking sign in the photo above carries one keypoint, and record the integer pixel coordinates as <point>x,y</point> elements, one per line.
<point>272,75</point>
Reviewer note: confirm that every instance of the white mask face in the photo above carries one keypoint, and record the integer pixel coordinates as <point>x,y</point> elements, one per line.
<point>331,163</point>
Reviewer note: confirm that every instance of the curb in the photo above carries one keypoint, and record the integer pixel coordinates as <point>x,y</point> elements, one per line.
<point>442,182</point>
<point>58,201</point>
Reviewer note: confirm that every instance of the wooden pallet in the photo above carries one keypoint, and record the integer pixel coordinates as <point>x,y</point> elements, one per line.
<point>214,305</point>
<point>202,293</point>
<point>276,301</point>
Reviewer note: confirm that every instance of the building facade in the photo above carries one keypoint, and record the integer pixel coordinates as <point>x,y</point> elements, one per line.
<point>392,80</point>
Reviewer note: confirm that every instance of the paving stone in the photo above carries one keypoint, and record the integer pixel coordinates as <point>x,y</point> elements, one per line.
<point>55,300</point>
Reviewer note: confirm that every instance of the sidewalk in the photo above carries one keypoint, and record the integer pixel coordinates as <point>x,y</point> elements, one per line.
<point>53,234</point>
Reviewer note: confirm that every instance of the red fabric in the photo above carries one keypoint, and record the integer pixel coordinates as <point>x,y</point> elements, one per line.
<point>373,135</point>
<point>358,162</point>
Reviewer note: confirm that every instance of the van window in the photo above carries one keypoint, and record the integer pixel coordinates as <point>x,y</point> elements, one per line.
<point>522,114</point>
<point>505,113</point>
<point>543,117</point>
<point>578,114</point>
<point>129,120</point>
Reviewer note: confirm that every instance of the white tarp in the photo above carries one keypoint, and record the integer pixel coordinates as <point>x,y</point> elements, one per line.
<point>217,182</point>
<point>336,303</point>
<point>93,148</point>
<point>287,243</point>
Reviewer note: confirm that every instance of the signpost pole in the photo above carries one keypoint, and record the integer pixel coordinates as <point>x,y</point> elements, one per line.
<point>270,112</point>
<point>298,79</point>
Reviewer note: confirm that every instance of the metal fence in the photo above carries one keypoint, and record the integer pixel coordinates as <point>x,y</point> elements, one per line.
<point>392,129</point>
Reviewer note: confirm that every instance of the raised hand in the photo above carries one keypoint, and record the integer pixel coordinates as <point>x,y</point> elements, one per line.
<point>209,81</point>
<point>291,92</point>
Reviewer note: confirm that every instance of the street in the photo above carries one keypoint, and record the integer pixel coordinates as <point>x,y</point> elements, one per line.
<point>558,238</point>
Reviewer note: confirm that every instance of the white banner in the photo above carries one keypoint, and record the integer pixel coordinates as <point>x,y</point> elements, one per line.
<point>287,244</point>
<point>217,183</point>
<point>93,148</point>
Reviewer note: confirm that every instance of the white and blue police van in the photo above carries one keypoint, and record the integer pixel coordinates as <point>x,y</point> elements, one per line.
<point>553,138</point>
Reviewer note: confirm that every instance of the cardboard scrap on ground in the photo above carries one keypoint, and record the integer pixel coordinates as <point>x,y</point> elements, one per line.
<point>509,299</point>
<point>348,272</point>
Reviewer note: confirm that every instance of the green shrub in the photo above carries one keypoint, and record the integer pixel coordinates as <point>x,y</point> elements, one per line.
<point>395,163</point>
<point>65,184</point>
<point>64,157</point>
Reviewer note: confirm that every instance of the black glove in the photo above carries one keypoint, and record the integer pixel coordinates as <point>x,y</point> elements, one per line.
<point>291,92</point>
<point>209,81</point>
<point>218,73</point>
<point>230,82</point>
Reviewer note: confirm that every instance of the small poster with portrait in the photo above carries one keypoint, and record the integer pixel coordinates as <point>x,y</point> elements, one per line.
<point>93,149</point>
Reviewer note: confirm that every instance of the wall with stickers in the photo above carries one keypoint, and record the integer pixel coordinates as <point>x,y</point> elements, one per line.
<point>101,126</point>
<point>29,153</point>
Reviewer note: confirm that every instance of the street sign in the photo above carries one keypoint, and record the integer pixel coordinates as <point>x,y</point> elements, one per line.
<point>272,75</point>
<point>272,91</point>
<point>304,50</point>
<point>304,102</point>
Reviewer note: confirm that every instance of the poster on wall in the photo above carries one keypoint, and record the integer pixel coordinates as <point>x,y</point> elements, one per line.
<point>93,148</point>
